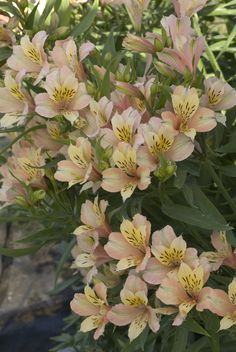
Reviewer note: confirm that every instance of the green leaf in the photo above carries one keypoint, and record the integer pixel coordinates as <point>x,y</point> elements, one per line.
<point>227,42</point>
<point>180,178</point>
<point>194,326</point>
<point>87,21</point>
<point>66,253</point>
<point>5,53</point>
<point>193,217</point>
<point>18,252</point>
<point>228,170</point>
<point>10,8</point>
<point>106,85</point>
<point>29,23</point>
<point>180,339</point>
<point>46,12</point>
<point>138,343</point>
<point>206,206</point>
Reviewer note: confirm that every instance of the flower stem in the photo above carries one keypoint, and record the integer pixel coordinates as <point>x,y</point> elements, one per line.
<point>221,187</point>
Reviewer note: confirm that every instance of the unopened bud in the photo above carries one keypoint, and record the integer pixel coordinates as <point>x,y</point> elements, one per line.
<point>54,20</point>
<point>158,45</point>
<point>38,195</point>
<point>129,89</point>
<point>165,171</point>
<point>165,70</point>
<point>20,200</point>
<point>138,44</point>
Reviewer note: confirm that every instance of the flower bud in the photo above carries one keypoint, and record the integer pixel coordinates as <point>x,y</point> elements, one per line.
<point>38,195</point>
<point>129,89</point>
<point>20,200</point>
<point>165,70</point>
<point>54,20</point>
<point>165,171</point>
<point>140,45</point>
<point>158,45</point>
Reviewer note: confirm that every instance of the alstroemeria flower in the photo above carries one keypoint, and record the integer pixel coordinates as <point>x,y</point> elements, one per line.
<point>185,290</point>
<point>127,176</point>
<point>65,53</point>
<point>30,56</point>
<point>89,254</point>
<point>15,101</point>
<point>135,9</point>
<point>189,117</point>
<point>169,252</point>
<point>186,51</point>
<point>80,167</point>
<point>93,218</point>
<point>131,245</point>
<point>188,8</point>
<point>7,37</point>
<point>219,95</point>
<point>124,129</point>
<point>26,164</point>
<point>163,141</point>
<point>93,305</point>
<point>65,95</point>
<point>94,117</point>
<point>134,309</point>
<point>223,255</point>
<point>10,186</point>
<point>223,304</point>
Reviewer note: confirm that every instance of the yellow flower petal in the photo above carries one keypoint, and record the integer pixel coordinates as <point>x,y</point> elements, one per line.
<point>135,236</point>
<point>232,292</point>
<point>92,297</point>
<point>91,323</point>
<point>191,280</point>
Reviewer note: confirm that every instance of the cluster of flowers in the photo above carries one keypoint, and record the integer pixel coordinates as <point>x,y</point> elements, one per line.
<point>118,143</point>
<point>115,143</point>
<point>160,267</point>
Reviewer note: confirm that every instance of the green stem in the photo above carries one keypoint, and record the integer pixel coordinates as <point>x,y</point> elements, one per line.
<point>20,136</point>
<point>220,185</point>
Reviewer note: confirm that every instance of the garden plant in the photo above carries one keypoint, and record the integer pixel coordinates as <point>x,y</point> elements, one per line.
<point>118,146</point>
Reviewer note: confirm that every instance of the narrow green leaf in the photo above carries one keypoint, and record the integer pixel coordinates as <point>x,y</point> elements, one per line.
<point>18,252</point>
<point>228,170</point>
<point>66,253</point>
<point>5,53</point>
<point>228,42</point>
<point>180,339</point>
<point>194,326</point>
<point>106,85</point>
<point>46,12</point>
<point>87,21</point>
<point>193,216</point>
<point>29,23</point>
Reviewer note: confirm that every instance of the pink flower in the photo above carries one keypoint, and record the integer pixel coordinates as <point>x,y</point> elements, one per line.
<point>7,37</point>
<point>185,290</point>
<point>65,96</point>
<point>89,254</point>
<point>134,309</point>
<point>169,252</point>
<point>135,9</point>
<point>186,51</point>
<point>188,8</point>
<point>30,56</point>
<point>189,117</point>
<point>131,245</point>
<point>219,95</point>
<point>124,129</point>
<point>64,53</point>
<point>94,219</point>
<point>15,102</point>
<point>127,176</point>
<point>223,255</point>
<point>93,305</point>
<point>80,168</point>
<point>161,141</point>
<point>223,304</point>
